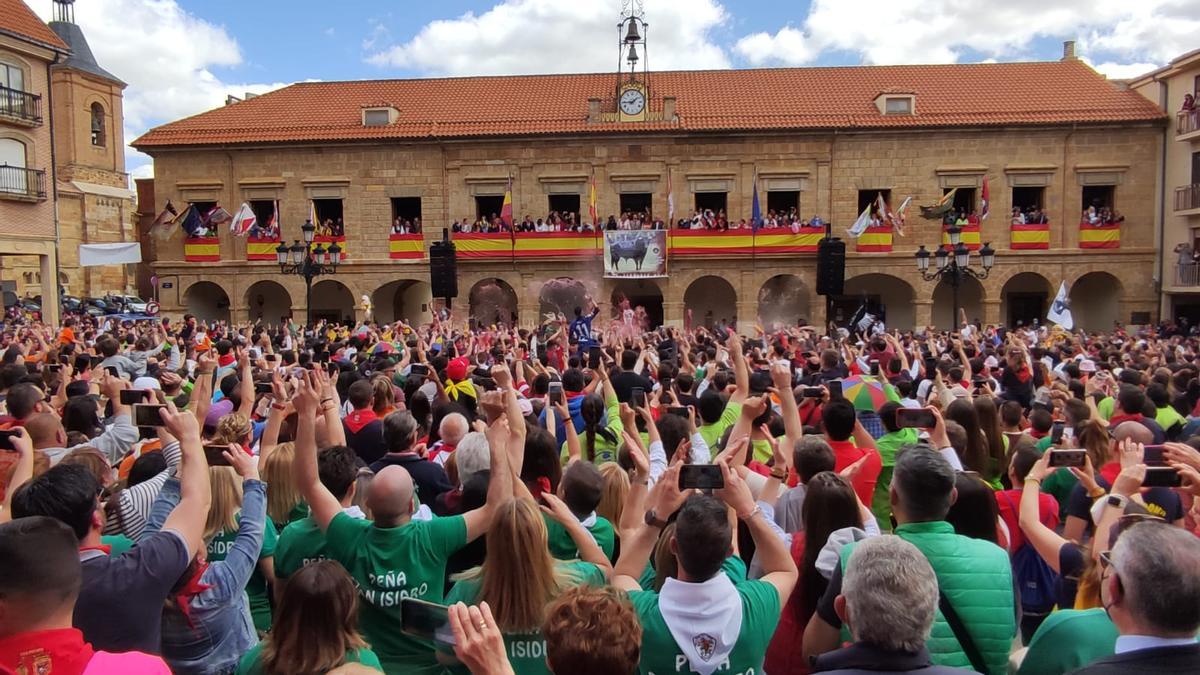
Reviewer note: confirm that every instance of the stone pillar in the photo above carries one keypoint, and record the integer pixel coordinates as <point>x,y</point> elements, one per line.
<point>991,311</point>
<point>747,316</point>
<point>673,314</point>
<point>50,303</point>
<point>527,313</point>
<point>923,313</point>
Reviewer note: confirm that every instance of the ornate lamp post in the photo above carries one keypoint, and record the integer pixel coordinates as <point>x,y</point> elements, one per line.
<point>956,267</point>
<point>308,262</point>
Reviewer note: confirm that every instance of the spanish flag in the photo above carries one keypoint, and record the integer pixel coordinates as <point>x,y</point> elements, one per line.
<point>592,199</point>
<point>506,209</point>
<point>1030,237</point>
<point>1100,236</point>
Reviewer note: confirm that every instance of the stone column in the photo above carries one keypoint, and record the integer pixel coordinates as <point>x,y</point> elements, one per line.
<point>673,314</point>
<point>991,311</point>
<point>49,274</point>
<point>923,313</point>
<point>747,316</point>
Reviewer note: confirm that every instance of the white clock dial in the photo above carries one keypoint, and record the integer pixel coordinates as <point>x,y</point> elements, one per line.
<point>632,102</point>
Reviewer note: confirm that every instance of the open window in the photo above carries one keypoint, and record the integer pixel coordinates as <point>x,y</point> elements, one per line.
<point>202,209</point>
<point>1099,197</point>
<point>869,197</point>
<point>964,200</point>
<point>637,202</point>
<point>98,136</point>
<point>564,204</point>
<point>329,214</point>
<point>406,209</point>
<point>783,201</point>
<point>266,225</point>
<point>712,201</point>
<point>488,206</point>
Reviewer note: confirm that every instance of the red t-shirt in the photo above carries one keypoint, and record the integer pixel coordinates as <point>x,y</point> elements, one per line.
<point>846,453</point>
<point>1009,503</point>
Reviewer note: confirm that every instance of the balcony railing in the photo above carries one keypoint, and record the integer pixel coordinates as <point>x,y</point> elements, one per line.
<point>1187,274</point>
<point>1187,197</point>
<point>20,105</point>
<point>1187,121</point>
<point>21,183</point>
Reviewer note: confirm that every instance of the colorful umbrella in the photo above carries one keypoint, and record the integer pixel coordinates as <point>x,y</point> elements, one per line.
<point>383,348</point>
<point>868,393</point>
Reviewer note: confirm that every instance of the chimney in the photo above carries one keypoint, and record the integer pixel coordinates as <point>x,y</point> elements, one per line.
<point>1068,50</point>
<point>669,108</point>
<point>230,99</point>
<point>593,110</point>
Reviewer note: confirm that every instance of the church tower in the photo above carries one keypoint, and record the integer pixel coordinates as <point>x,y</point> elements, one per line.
<point>95,204</point>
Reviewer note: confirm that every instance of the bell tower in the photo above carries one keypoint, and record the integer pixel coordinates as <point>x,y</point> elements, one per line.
<point>633,75</point>
<point>95,204</point>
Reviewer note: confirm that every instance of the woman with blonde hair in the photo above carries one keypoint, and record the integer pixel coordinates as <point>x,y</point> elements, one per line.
<point>519,577</point>
<point>221,531</point>
<point>284,503</point>
<point>616,489</point>
<point>300,646</point>
<point>384,400</point>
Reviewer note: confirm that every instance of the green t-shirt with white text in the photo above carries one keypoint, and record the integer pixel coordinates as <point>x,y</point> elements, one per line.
<point>526,651</point>
<point>300,543</point>
<point>389,564</point>
<point>257,590</point>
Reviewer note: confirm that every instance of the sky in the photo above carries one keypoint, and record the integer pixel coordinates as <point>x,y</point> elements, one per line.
<point>182,57</point>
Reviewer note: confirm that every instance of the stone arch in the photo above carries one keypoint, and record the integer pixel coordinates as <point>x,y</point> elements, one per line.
<point>783,301</point>
<point>333,301</point>
<point>711,300</point>
<point>1025,297</point>
<point>889,297</point>
<point>645,293</point>
<point>1096,301</point>
<point>207,300</point>
<point>562,295</point>
<point>970,298</point>
<point>268,300</point>
<point>493,301</point>
<point>409,300</point>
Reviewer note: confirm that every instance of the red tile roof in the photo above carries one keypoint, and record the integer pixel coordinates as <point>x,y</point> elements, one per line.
<point>1042,93</point>
<point>18,20</point>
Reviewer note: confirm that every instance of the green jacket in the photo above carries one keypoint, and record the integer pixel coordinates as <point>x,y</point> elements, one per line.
<point>976,577</point>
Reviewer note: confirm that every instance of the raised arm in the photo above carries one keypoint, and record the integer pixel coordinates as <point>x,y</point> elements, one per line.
<point>793,429</point>
<point>741,372</point>
<point>22,470</point>
<point>589,550</point>
<point>635,552</point>
<point>321,502</point>
<point>778,567</point>
<point>245,385</point>
<point>500,486</point>
<point>1045,541</point>
<point>195,494</point>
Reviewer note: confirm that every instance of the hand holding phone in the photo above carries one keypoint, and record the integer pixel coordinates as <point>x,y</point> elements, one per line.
<point>148,414</point>
<point>134,396</point>
<point>915,418</point>
<point>1069,458</point>
<point>701,477</point>
<point>639,397</point>
<point>426,620</point>
<point>555,392</point>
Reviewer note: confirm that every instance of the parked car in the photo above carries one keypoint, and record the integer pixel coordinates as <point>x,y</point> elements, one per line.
<point>95,307</point>
<point>71,304</point>
<point>130,304</point>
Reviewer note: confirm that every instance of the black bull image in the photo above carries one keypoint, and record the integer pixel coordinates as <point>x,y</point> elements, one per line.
<point>633,249</point>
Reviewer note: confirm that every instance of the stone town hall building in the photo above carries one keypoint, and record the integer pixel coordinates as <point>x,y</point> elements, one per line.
<point>1052,135</point>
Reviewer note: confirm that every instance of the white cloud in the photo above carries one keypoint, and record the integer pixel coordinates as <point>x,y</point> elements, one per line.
<point>1127,35</point>
<point>1122,71</point>
<point>552,36</point>
<point>164,54</point>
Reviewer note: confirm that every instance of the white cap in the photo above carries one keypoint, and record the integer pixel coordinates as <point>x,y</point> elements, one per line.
<point>146,383</point>
<point>1087,366</point>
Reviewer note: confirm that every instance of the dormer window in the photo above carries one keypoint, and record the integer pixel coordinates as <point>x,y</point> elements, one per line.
<point>896,103</point>
<point>380,116</point>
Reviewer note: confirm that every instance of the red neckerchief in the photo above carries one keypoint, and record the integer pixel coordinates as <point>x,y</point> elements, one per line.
<point>60,651</point>
<point>193,587</point>
<point>1037,435</point>
<point>1110,471</point>
<point>225,360</point>
<point>103,548</point>
<point>1117,419</point>
<point>358,419</point>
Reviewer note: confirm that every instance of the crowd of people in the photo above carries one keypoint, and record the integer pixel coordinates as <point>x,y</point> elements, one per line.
<point>704,219</point>
<point>1030,215</point>
<point>205,497</point>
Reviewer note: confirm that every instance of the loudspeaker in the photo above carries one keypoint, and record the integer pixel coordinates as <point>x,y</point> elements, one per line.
<point>443,270</point>
<point>831,266</point>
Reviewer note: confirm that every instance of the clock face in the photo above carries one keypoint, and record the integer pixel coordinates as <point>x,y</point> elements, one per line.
<point>632,101</point>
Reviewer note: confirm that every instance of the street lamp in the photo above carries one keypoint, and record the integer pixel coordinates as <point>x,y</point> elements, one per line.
<point>306,261</point>
<point>954,268</point>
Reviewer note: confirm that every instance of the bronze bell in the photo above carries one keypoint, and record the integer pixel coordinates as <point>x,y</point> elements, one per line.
<point>632,35</point>
<point>633,57</point>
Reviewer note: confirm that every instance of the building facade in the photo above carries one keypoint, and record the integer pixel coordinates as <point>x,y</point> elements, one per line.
<point>1055,136</point>
<point>1179,204</point>
<point>28,230</point>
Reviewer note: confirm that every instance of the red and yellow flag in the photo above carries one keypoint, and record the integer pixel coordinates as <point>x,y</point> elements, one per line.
<point>592,199</point>
<point>506,209</point>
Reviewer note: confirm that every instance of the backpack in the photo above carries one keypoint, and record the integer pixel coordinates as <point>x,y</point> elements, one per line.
<point>1036,582</point>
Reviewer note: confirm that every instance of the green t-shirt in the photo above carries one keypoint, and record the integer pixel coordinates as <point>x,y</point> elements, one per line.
<point>526,651</point>
<point>298,511</point>
<point>1059,485</point>
<point>117,543</point>
<point>299,544</point>
<point>1069,639</point>
<point>711,433</point>
<point>761,450</point>
<point>251,663</point>
<point>1105,407</point>
<point>887,445</point>
<point>257,589</point>
<point>562,546</point>
<point>760,615</point>
<point>733,567</point>
<point>1169,417</point>
<point>389,564</point>
<point>605,450</point>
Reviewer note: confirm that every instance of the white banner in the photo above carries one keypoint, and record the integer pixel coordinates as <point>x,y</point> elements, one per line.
<point>110,254</point>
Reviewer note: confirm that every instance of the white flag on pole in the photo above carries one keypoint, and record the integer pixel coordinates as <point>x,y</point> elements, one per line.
<point>1060,309</point>
<point>242,221</point>
<point>860,225</point>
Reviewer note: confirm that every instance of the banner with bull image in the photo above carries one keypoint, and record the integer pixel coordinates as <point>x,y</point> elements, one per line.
<point>635,254</point>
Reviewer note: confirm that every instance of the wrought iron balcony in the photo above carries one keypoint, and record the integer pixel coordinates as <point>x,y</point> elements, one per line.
<point>20,183</point>
<point>20,106</point>
<point>1187,197</point>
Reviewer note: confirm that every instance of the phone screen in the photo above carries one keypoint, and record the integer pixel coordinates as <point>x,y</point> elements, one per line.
<point>835,389</point>
<point>678,410</point>
<point>214,455</point>
<point>1162,476</point>
<point>6,440</point>
<point>556,393</point>
<point>262,388</point>
<point>426,620</point>
<point>1153,456</point>
<point>875,368</point>
<point>1056,433</point>
<point>147,415</point>
<point>915,418</point>
<point>133,396</point>
<point>419,369</point>
<point>639,397</point>
<point>701,477</point>
<point>593,358</point>
<point>112,371</point>
<point>1075,458</point>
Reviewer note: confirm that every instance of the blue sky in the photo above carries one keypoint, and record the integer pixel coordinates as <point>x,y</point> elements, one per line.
<point>181,57</point>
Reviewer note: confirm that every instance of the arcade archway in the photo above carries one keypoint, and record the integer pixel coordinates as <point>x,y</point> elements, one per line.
<point>208,301</point>
<point>269,301</point>
<point>710,301</point>
<point>493,302</point>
